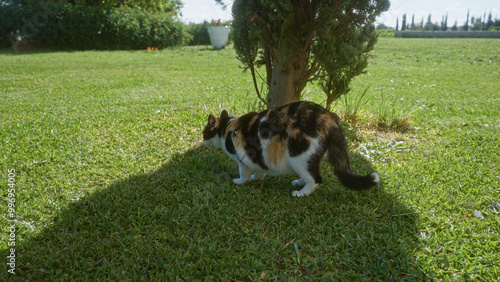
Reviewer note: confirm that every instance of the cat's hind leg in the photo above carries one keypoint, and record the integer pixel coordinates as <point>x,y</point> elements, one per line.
<point>308,180</point>
<point>245,174</point>
<point>307,190</point>
<point>309,171</point>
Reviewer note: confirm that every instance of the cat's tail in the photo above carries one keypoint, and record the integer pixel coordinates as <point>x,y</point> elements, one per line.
<point>338,155</point>
<point>356,182</point>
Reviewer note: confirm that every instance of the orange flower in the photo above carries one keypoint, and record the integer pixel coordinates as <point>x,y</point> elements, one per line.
<point>149,48</point>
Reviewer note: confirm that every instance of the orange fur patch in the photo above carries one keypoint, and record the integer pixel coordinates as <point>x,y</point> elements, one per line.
<point>252,121</point>
<point>276,150</point>
<point>294,133</point>
<point>324,122</point>
<point>239,142</point>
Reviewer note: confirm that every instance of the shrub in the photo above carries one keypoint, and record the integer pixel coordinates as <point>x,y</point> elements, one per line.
<point>86,27</point>
<point>385,32</point>
<point>133,29</point>
<point>198,34</point>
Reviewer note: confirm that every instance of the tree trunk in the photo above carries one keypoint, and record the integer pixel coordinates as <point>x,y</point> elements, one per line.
<point>288,80</point>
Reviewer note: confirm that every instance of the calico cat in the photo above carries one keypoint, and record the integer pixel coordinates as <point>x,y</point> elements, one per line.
<point>286,139</point>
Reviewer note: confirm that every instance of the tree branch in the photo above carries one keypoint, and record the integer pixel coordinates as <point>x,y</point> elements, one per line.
<point>219,2</point>
<point>252,71</point>
<point>269,65</point>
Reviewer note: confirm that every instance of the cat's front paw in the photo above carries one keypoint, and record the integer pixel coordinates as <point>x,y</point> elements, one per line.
<point>298,194</point>
<point>238,181</point>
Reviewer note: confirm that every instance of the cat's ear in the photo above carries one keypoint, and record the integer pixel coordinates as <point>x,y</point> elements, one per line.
<point>212,120</point>
<point>224,115</point>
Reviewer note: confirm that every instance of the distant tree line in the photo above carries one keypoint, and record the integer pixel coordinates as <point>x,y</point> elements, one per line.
<point>484,22</point>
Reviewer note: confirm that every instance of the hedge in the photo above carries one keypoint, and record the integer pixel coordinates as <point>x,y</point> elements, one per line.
<point>85,27</point>
<point>199,34</point>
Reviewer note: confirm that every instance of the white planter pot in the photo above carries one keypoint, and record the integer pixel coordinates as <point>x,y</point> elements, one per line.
<point>218,36</point>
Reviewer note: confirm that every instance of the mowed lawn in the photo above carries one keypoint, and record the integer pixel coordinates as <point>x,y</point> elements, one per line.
<point>112,181</point>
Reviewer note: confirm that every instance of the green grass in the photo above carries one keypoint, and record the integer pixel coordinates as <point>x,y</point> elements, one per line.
<point>113,182</point>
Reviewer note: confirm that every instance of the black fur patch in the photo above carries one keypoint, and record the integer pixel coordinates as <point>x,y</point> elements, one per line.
<point>265,130</point>
<point>314,163</point>
<point>278,123</point>
<point>306,121</point>
<point>229,144</point>
<point>274,126</point>
<point>298,145</point>
<point>292,108</point>
<point>253,148</point>
<point>224,121</point>
<point>209,133</point>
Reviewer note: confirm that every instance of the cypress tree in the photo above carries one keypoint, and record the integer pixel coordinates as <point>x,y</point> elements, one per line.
<point>490,21</point>
<point>466,27</point>
<point>299,41</point>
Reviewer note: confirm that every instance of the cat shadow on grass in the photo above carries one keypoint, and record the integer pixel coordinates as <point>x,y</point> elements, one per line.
<point>188,220</point>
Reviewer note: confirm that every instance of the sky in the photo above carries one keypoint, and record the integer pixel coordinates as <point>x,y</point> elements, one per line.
<point>198,11</point>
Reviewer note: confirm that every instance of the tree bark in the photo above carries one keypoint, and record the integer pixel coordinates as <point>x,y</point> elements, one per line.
<point>288,80</point>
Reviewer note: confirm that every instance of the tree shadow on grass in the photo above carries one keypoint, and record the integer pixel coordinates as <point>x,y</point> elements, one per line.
<point>187,220</point>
